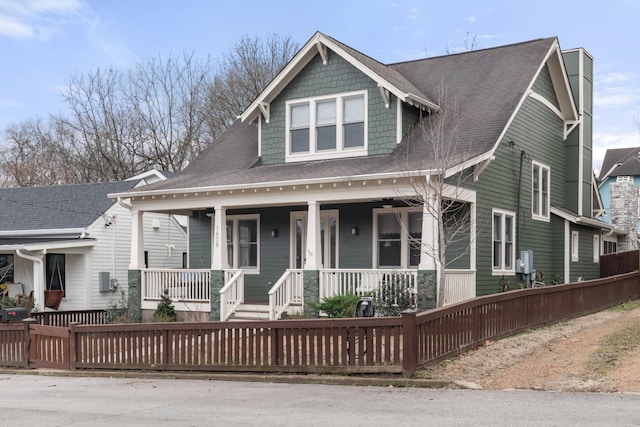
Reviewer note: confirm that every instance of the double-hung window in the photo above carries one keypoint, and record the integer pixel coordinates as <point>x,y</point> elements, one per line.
<point>540,179</point>
<point>398,236</point>
<point>503,241</point>
<point>242,242</point>
<point>327,127</point>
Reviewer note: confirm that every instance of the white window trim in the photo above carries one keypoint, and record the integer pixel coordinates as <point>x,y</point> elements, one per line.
<point>234,219</point>
<point>499,271</point>
<point>623,178</point>
<point>596,248</point>
<point>404,235</point>
<point>340,151</point>
<point>575,246</point>
<point>539,216</point>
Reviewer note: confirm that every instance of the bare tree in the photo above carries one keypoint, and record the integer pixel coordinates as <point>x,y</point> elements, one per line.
<point>243,74</point>
<point>33,156</point>
<point>432,161</point>
<point>152,117</point>
<point>160,114</point>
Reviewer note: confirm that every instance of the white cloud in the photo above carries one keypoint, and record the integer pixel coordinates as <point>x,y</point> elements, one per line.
<point>471,19</point>
<point>14,28</point>
<point>35,18</point>
<point>614,78</point>
<point>603,141</point>
<point>615,99</point>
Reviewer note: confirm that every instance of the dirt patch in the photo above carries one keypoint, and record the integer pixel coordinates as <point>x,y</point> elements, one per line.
<point>576,355</point>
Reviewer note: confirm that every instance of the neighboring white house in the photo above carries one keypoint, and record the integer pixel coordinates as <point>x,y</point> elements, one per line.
<point>74,238</point>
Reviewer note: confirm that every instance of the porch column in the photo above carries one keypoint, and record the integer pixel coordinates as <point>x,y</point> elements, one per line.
<point>427,268</point>
<point>136,263</point>
<point>137,241</point>
<point>219,260</point>
<point>39,285</point>
<point>313,258</point>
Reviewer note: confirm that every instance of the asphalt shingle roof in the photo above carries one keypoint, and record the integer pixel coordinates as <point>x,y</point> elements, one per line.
<point>628,158</point>
<point>485,85</point>
<point>56,207</point>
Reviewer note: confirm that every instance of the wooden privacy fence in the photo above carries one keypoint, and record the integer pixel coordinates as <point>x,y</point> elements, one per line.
<point>619,263</point>
<point>359,345</point>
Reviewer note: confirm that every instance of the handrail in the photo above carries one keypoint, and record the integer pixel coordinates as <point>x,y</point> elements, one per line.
<point>231,295</point>
<point>285,293</point>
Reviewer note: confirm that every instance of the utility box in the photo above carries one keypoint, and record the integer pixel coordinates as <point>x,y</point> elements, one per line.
<point>524,264</point>
<point>14,313</point>
<point>104,281</point>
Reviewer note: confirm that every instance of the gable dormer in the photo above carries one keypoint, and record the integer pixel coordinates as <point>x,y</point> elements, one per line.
<point>332,102</point>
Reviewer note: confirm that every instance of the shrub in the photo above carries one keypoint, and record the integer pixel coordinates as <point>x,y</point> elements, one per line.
<point>118,310</point>
<point>337,305</point>
<point>394,296</point>
<point>165,312</point>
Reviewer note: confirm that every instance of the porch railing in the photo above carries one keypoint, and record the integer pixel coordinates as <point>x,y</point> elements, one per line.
<point>287,292</point>
<point>362,281</point>
<point>232,294</point>
<point>459,285</point>
<point>184,286</point>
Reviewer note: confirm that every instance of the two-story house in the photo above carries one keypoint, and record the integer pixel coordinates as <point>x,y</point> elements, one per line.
<point>619,184</point>
<point>334,178</point>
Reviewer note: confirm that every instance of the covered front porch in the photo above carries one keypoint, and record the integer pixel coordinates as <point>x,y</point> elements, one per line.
<point>283,246</point>
<point>190,290</point>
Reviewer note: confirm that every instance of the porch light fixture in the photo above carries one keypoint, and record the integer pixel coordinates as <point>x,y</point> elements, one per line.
<point>274,232</point>
<point>385,206</point>
<point>355,231</point>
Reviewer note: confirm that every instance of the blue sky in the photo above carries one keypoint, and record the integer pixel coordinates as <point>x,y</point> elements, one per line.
<point>44,42</point>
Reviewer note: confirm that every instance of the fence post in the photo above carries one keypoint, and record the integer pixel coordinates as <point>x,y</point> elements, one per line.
<point>409,342</point>
<point>72,345</point>
<point>27,340</point>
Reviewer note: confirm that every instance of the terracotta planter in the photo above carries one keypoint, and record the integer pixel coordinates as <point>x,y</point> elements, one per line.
<point>52,299</point>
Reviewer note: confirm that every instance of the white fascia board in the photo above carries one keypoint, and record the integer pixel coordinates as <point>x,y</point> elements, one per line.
<point>561,84</point>
<point>302,58</point>
<point>55,232</point>
<point>554,49</point>
<point>580,220</point>
<point>46,246</point>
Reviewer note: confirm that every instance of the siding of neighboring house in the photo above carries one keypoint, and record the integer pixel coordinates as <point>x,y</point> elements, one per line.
<point>336,77</point>
<point>76,281</point>
<point>506,184</point>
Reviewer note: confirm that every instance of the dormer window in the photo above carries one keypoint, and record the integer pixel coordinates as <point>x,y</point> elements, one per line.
<point>327,127</point>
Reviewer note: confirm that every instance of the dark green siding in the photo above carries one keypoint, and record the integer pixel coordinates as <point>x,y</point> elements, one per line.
<point>584,267</point>
<point>274,254</point>
<point>199,240</point>
<point>534,135</point>
<point>356,251</point>
<point>317,79</point>
<point>558,245</point>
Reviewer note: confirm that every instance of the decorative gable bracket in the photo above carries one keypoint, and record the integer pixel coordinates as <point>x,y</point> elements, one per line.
<point>569,126</point>
<point>322,50</point>
<point>385,96</point>
<point>265,109</point>
<point>479,168</point>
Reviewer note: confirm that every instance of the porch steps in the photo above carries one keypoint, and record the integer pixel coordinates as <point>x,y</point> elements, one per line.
<point>251,312</point>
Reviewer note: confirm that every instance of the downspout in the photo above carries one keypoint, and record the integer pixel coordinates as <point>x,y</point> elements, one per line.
<point>38,279</point>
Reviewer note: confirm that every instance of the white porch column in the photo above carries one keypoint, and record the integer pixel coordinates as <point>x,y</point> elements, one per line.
<point>430,241</point>
<point>38,276</point>
<point>313,260</point>
<point>137,241</point>
<point>219,248</point>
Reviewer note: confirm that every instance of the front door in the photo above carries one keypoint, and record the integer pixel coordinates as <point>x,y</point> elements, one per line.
<point>328,238</point>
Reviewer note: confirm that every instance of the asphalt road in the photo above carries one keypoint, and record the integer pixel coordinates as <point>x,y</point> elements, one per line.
<point>35,400</point>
